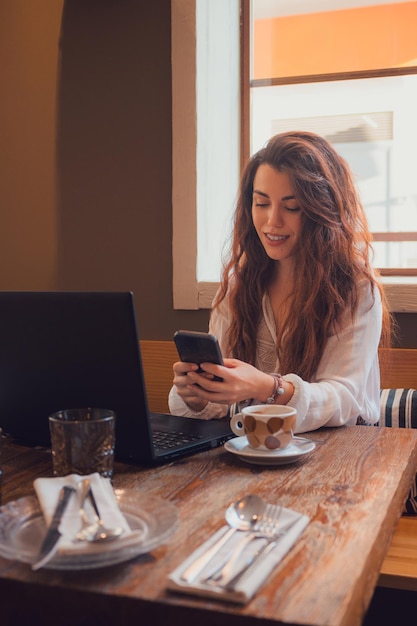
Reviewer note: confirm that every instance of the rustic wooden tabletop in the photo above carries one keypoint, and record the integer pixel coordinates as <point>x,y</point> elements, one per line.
<point>352,487</point>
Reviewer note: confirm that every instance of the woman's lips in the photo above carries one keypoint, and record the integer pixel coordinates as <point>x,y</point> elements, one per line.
<point>276,239</point>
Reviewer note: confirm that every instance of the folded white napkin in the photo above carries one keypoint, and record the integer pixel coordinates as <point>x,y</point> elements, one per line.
<point>247,586</point>
<point>48,489</point>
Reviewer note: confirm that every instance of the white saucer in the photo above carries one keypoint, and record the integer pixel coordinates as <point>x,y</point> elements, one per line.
<point>292,453</point>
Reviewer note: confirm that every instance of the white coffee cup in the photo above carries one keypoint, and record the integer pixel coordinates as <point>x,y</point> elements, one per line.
<point>266,426</point>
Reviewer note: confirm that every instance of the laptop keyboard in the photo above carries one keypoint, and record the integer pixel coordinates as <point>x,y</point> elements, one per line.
<point>172,439</point>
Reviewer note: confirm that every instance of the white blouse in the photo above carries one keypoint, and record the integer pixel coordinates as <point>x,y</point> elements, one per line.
<point>346,384</point>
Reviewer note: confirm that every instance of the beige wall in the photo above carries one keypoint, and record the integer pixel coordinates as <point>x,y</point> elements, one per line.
<point>29,33</point>
<point>85,154</point>
<point>85,171</point>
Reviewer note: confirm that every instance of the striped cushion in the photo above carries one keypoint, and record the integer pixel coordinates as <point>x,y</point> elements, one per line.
<point>398,408</point>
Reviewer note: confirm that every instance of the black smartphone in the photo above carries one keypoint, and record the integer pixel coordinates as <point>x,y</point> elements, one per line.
<point>196,347</point>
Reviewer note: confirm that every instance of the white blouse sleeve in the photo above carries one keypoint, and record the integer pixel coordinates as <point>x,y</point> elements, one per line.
<point>347,381</point>
<point>219,324</point>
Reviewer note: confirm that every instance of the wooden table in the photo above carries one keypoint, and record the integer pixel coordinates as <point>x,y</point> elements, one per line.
<point>353,488</point>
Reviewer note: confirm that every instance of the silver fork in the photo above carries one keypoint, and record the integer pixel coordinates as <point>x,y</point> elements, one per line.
<point>92,530</point>
<point>272,537</point>
<point>267,527</point>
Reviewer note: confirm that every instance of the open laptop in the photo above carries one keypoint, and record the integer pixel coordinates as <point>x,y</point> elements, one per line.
<point>76,349</point>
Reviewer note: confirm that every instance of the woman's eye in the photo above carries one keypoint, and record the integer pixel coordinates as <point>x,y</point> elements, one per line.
<point>261,204</point>
<point>292,209</point>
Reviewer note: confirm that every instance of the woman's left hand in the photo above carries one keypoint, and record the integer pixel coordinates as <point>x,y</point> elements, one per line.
<point>241,381</point>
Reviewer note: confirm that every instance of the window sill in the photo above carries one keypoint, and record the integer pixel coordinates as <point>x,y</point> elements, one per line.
<point>401,293</point>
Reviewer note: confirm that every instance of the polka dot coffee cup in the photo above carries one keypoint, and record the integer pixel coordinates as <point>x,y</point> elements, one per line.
<point>266,427</point>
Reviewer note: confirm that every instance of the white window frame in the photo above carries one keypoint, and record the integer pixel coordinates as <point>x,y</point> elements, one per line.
<point>188,292</point>
<point>204,114</point>
<point>184,155</point>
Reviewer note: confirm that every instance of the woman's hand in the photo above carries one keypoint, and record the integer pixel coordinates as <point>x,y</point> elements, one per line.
<point>241,381</point>
<point>186,390</point>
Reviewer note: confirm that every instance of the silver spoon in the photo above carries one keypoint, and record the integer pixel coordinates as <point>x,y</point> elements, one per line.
<point>267,526</point>
<point>240,515</point>
<point>93,531</point>
<point>243,514</point>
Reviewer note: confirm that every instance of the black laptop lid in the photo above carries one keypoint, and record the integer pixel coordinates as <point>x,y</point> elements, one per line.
<point>58,350</point>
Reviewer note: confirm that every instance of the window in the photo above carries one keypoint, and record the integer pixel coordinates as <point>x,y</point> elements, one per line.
<point>363,105</point>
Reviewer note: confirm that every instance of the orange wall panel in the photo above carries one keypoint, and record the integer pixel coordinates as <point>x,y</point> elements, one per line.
<point>348,40</point>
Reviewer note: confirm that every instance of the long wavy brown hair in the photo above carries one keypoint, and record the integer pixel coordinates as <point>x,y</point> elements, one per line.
<point>333,259</point>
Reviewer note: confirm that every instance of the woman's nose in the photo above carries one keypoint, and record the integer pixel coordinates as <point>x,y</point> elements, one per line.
<point>275,216</point>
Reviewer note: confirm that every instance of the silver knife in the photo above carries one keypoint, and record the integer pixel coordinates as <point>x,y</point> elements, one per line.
<point>230,585</point>
<point>52,536</point>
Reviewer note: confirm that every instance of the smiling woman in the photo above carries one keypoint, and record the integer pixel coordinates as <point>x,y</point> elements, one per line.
<point>298,295</point>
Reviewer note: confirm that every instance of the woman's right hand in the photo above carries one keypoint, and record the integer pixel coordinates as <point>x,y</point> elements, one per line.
<point>184,389</point>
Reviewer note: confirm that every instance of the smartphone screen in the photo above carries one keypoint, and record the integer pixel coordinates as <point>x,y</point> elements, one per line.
<point>197,347</point>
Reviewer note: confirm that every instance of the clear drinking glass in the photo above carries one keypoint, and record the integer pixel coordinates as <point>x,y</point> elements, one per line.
<point>83,441</point>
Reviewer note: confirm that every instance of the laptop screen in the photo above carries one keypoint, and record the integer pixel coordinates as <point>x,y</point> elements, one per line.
<point>67,350</point>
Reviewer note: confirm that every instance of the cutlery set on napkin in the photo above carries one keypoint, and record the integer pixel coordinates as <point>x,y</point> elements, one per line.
<point>232,564</point>
<point>80,512</point>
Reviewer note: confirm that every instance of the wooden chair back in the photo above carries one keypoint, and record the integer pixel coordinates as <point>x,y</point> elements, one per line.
<point>158,358</point>
<point>398,367</point>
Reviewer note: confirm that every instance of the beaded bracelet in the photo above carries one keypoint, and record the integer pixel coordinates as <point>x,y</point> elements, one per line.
<point>278,388</point>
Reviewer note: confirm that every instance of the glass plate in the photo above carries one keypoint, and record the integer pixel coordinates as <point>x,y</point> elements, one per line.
<point>22,528</point>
